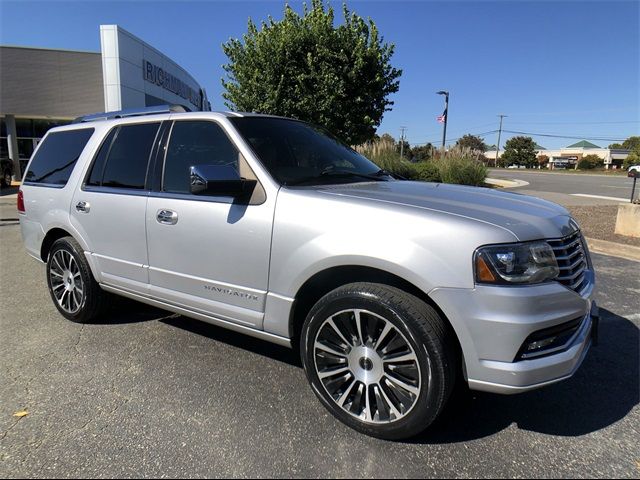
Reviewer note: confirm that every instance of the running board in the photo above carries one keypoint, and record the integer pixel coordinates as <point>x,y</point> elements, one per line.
<point>252,332</point>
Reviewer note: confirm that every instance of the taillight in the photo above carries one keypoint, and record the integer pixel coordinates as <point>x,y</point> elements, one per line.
<point>21,208</point>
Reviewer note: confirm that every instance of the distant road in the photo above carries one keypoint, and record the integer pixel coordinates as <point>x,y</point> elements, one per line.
<point>570,188</point>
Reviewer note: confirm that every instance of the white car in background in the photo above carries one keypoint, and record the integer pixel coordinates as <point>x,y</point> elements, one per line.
<point>634,168</point>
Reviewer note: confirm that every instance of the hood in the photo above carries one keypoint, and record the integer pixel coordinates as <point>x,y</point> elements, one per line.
<point>528,218</point>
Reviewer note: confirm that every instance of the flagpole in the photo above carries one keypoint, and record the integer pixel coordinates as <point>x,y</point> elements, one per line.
<point>445,115</point>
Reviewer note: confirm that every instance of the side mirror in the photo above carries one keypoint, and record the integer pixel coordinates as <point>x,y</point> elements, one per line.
<point>219,180</point>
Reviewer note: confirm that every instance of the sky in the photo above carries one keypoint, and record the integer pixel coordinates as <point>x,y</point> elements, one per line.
<point>553,67</point>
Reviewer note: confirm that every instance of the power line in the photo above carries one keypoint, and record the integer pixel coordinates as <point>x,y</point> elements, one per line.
<point>573,137</point>
<point>577,123</point>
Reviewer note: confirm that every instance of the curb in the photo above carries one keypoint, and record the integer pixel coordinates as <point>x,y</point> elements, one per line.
<point>613,249</point>
<point>501,182</point>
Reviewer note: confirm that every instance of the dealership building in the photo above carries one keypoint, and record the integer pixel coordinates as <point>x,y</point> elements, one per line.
<point>41,88</point>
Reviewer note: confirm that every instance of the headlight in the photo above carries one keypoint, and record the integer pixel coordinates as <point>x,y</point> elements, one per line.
<point>516,263</point>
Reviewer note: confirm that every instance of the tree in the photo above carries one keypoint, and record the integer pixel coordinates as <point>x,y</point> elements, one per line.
<point>306,68</point>
<point>633,144</point>
<point>632,159</point>
<point>520,151</point>
<point>472,142</point>
<point>543,161</point>
<point>589,162</point>
<point>404,147</point>
<point>422,153</point>
<point>386,137</point>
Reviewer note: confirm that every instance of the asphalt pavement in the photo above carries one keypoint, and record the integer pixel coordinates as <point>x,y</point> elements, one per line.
<point>570,189</point>
<point>146,393</point>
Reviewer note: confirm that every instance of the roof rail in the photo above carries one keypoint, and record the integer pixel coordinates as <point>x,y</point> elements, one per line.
<point>132,112</point>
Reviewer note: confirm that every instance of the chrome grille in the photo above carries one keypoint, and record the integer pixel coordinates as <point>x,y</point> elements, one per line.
<point>572,260</point>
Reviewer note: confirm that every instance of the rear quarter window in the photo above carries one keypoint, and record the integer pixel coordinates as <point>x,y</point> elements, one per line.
<point>57,156</point>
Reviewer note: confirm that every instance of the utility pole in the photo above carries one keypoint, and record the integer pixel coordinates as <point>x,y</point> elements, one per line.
<point>495,163</point>
<point>402,129</point>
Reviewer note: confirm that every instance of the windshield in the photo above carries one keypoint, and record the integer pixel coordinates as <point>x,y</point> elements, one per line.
<point>297,153</point>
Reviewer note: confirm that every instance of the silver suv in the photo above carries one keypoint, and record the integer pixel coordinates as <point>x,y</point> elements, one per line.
<point>392,290</point>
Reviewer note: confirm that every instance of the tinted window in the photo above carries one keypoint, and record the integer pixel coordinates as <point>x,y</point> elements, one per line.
<point>126,165</point>
<point>293,151</point>
<point>54,161</point>
<point>97,169</point>
<point>195,143</point>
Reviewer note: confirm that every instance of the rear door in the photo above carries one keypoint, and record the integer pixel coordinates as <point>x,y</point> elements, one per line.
<point>109,208</point>
<point>209,254</point>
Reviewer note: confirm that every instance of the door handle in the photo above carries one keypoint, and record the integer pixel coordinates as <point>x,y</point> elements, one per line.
<point>83,207</point>
<point>167,217</point>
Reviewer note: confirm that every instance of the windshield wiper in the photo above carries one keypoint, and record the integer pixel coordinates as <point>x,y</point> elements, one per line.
<point>337,174</point>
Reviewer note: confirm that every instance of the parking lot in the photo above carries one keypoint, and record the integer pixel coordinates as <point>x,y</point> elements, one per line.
<point>147,393</point>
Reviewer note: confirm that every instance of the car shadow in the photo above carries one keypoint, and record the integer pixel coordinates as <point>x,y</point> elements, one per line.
<point>602,392</point>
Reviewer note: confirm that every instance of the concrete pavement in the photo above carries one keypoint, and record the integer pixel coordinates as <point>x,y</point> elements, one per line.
<point>570,189</point>
<point>146,393</point>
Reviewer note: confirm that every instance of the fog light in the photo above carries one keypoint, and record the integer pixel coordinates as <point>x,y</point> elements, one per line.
<point>549,341</point>
<point>540,344</point>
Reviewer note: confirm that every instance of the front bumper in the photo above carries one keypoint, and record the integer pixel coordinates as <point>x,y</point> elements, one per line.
<point>492,324</point>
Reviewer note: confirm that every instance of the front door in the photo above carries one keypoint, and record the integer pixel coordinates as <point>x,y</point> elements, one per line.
<point>209,254</point>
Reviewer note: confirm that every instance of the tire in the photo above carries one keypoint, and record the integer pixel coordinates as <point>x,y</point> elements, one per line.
<point>74,291</point>
<point>391,385</point>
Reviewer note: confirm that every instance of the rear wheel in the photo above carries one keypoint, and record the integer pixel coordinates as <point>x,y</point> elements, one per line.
<point>379,359</point>
<point>74,291</point>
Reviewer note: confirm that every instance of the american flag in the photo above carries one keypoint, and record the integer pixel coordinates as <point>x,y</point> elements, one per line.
<point>441,118</point>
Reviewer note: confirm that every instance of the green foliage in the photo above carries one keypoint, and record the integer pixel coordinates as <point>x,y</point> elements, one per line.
<point>633,144</point>
<point>422,153</point>
<point>615,145</point>
<point>461,166</point>
<point>589,162</point>
<point>458,165</point>
<point>632,159</point>
<point>520,151</point>
<point>472,142</point>
<point>339,77</point>
<point>427,172</point>
<point>384,153</point>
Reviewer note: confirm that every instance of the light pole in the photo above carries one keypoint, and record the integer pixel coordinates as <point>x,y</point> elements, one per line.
<point>445,115</point>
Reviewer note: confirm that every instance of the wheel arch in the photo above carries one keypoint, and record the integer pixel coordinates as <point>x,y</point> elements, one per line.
<point>331,278</point>
<point>57,232</point>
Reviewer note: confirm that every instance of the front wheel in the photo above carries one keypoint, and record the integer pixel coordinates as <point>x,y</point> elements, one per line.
<point>74,291</point>
<point>379,359</point>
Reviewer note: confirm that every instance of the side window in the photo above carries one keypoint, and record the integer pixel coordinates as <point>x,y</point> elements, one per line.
<point>195,143</point>
<point>97,169</point>
<point>122,162</point>
<point>54,161</point>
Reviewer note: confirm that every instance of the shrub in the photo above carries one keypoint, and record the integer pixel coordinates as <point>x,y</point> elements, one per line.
<point>427,172</point>
<point>589,162</point>
<point>457,165</point>
<point>461,166</point>
<point>383,153</point>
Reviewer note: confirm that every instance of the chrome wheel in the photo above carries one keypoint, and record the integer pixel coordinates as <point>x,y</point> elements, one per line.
<point>367,366</point>
<point>66,281</point>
